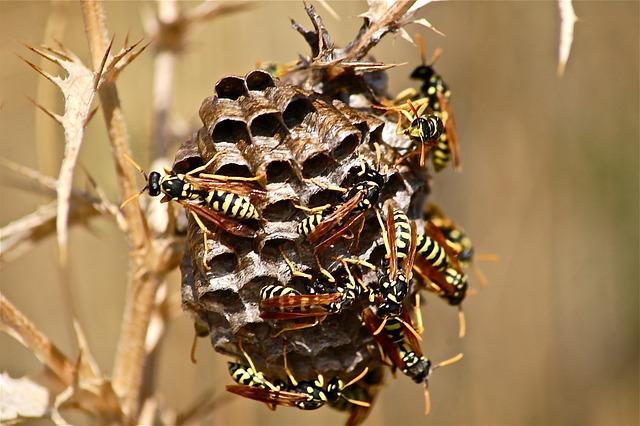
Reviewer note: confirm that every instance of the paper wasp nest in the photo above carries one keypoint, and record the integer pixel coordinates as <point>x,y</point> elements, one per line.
<point>262,126</point>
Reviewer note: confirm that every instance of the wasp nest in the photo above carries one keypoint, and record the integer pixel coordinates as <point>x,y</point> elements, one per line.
<point>293,139</point>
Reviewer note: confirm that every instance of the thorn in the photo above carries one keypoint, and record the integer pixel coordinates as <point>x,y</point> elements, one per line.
<point>98,76</point>
<point>44,54</point>
<point>40,71</point>
<point>57,118</point>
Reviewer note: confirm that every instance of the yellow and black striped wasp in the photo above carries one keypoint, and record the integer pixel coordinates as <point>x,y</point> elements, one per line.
<point>323,228</point>
<point>225,201</point>
<point>399,237</point>
<point>304,395</point>
<point>401,345</point>
<point>366,390</point>
<point>323,297</point>
<point>438,95</point>
<point>437,268</point>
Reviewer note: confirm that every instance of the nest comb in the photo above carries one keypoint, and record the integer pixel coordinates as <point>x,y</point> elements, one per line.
<point>262,126</point>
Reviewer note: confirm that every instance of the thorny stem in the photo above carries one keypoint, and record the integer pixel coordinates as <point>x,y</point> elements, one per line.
<point>28,334</point>
<point>369,37</point>
<point>130,354</point>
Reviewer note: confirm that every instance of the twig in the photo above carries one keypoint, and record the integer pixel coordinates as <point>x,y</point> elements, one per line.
<point>370,35</point>
<point>130,354</point>
<point>23,330</point>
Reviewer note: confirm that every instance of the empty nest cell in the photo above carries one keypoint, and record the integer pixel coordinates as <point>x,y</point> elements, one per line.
<point>231,87</point>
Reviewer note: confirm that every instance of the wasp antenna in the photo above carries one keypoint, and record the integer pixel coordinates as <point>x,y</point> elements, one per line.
<point>411,329</point>
<point>381,327</point>
<point>420,43</point>
<point>450,361</point>
<point>133,197</point>
<point>436,55</point>
<point>427,400</point>
<point>193,349</point>
<point>357,378</point>
<point>413,108</point>
<point>357,402</point>
<point>136,165</point>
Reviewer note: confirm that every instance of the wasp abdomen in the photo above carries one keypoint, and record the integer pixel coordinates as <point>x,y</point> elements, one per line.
<point>232,205</point>
<point>432,251</point>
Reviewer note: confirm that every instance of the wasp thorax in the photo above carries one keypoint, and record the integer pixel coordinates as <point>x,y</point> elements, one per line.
<point>173,186</point>
<point>431,126</point>
<point>154,184</point>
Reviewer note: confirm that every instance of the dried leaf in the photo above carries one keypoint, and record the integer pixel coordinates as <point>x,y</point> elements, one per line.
<point>568,19</point>
<point>22,399</point>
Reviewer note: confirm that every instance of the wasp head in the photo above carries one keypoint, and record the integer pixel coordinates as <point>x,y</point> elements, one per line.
<point>154,184</point>
<point>423,72</point>
<point>334,389</point>
<point>419,368</point>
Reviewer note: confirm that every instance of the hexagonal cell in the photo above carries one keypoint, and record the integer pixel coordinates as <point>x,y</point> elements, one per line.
<point>279,171</point>
<point>232,131</point>
<point>315,165</point>
<point>259,80</point>
<point>268,125</point>
<point>231,87</point>
<point>346,147</point>
<point>223,264</point>
<point>280,211</point>
<point>297,110</point>
<point>223,300</point>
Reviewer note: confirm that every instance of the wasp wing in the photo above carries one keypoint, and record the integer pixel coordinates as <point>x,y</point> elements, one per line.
<point>436,234</point>
<point>335,236</point>
<point>268,396</point>
<point>332,220</point>
<point>300,301</point>
<point>450,129</point>
<point>390,349</point>
<point>227,224</point>
<point>393,249</point>
<point>244,188</point>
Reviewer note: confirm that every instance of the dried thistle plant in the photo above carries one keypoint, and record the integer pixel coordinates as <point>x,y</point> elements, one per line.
<point>117,398</point>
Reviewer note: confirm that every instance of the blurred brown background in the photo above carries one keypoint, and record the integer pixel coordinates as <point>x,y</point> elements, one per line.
<point>550,184</point>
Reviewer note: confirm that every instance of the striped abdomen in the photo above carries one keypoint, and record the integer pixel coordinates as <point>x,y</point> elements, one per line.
<point>459,283</point>
<point>431,251</point>
<point>403,233</point>
<point>271,291</point>
<point>441,153</point>
<point>244,375</point>
<point>309,223</point>
<point>231,205</point>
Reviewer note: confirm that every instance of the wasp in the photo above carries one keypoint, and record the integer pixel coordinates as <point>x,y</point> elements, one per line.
<point>305,395</point>
<point>328,223</point>
<point>399,237</point>
<point>437,267</point>
<point>402,346</point>
<point>324,297</point>
<point>225,201</point>
<point>438,95</point>
<point>366,390</point>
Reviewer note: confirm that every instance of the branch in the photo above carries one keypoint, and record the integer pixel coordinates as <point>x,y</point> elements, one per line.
<point>24,331</point>
<point>130,354</point>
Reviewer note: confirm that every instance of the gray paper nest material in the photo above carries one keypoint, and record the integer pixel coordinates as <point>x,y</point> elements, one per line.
<point>262,125</point>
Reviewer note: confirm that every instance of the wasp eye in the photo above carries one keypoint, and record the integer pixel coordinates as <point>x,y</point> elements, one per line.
<point>154,184</point>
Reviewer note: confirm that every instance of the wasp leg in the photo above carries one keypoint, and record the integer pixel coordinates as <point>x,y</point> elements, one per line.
<point>417,312</point>
<point>407,93</point>
<point>324,272</point>
<point>205,231</point>
<point>299,326</point>
<point>294,271</point>
<point>328,186</point>
<point>462,323</point>
<point>312,210</point>
<point>204,167</point>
